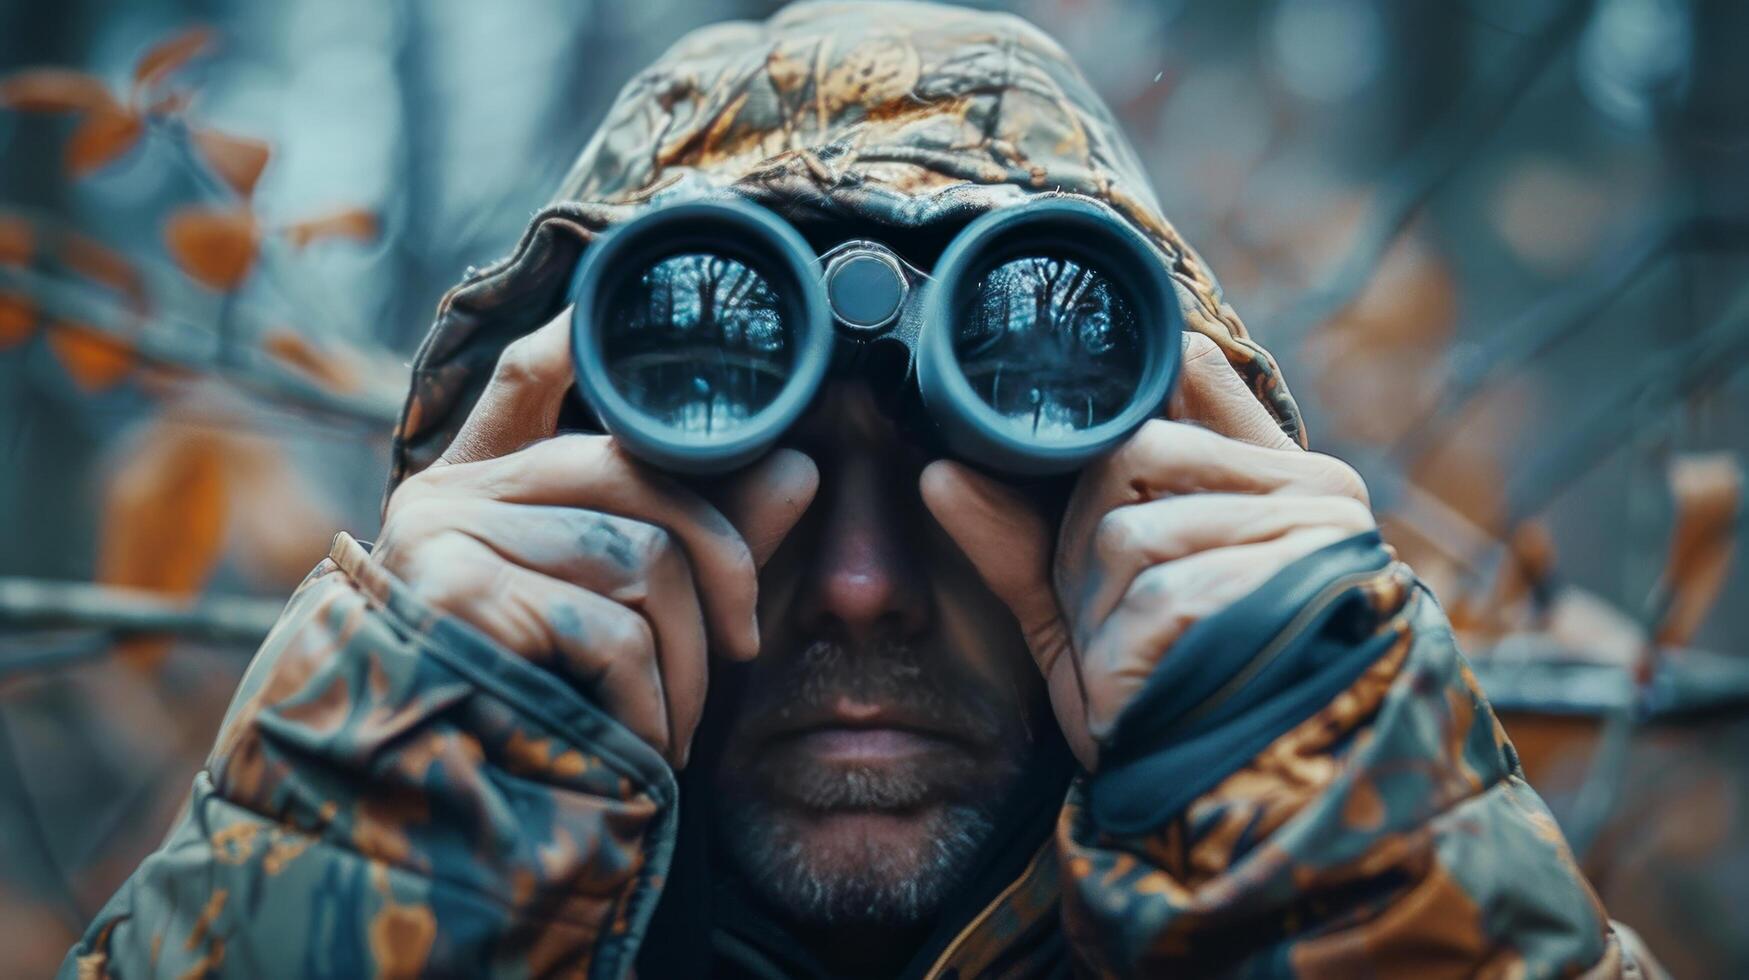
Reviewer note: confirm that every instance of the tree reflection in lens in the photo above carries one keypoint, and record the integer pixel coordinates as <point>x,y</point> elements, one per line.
<point>1051,344</point>
<point>698,342</point>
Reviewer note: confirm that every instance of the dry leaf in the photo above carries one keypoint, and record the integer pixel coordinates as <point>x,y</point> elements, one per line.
<point>172,103</point>
<point>106,266</point>
<point>1525,568</point>
<point>102,137</point>
<point>337,372</point>
<point>167,56</point>
<point>216,247</point>
<point>238,160</point>
<point>95,360</point>
<point>55,90</point>
<point>17,320</point>
<point>358,224</point>
<point>17,241</point>
<point>164,520</point>
<point>1708,491</point>
<point>17,313</point>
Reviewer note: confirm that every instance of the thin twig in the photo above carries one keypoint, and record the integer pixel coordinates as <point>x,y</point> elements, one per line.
<point>49,604</point>
<point>1696,366</point>
<point>1557,319</point>
<point>1420,175</point>
<point>153,341</point>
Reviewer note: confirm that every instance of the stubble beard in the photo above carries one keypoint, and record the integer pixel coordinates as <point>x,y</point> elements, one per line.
<point>947,809</point>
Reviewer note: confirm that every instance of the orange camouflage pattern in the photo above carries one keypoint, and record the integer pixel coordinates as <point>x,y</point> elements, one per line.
<point>393,795</point>
<point>898,115</point>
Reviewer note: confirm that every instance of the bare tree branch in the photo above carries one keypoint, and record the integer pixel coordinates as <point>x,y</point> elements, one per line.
<point>1440,154</point>
<point>157,342</point>
<point>1558,318</point>
<point>43,603</point>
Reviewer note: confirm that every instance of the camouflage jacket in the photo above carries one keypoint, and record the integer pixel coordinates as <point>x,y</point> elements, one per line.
<point>1311,785</point>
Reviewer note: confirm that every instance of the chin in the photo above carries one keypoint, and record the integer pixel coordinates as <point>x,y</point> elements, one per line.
<point>855,867</point>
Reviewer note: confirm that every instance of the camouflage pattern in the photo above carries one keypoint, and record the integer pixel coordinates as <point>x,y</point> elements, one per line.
<point>391,794</point>
<point>903,115</point>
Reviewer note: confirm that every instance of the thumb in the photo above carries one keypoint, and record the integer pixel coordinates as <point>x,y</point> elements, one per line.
<point>765,502</point>
<point>1009,543</point>
<point>1004,537</point>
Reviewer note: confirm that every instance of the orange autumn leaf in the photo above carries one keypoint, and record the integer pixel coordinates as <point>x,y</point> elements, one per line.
<point>102,137</point>
<point>105,266</point>
<point>1708,491</point>
<point>167,56</point>
<point>170,103</point>
<point>17,313</point>
<point>215,247</point>
<point>297,352</point>
<point>358,224</point>
<point>93,359</point>
<point>17,240</point>
<point>55,90</point>
<point>17,320</point>
<point>238,160</point>
<point>163,521</point>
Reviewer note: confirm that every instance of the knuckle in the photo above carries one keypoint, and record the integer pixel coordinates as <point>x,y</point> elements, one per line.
<point>655,544</point>
<point>415,517</point>
<point>626,636</point>
<point>1152,589</point>
<point>1354,514</point>
<point>1340,479</point>
<point>1117,534</point>
<point>1198,346</point>
<point>518,365</point>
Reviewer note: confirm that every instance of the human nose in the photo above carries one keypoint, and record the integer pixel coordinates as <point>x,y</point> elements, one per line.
<point>864,581</point>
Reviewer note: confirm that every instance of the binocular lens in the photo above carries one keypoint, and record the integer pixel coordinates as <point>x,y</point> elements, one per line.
<point>699,342</point>
<point>1051,344</point>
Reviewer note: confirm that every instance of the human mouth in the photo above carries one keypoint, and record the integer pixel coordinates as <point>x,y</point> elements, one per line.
<point>859,745</point>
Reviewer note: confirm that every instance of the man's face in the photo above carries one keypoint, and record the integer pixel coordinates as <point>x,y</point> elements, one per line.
<point>886,720</point>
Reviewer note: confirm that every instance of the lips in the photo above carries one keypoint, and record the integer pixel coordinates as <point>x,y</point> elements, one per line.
<point>846,725</point>
<point>851,756</point>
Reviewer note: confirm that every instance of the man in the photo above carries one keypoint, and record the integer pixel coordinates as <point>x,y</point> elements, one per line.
<point>854,711</point>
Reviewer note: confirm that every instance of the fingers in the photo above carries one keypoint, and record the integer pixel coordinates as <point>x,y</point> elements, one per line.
<point>638,565</point>
<point>766,501</point>
<point>1211,394</point>
<point>1166,600</point>
<point>1003,536</point>
<point>1009,544</point>
<point>1165,459</point>
<point>521,402</point>
<point>1130,539</point>
<point>597,644</point>
<point>591,472</point>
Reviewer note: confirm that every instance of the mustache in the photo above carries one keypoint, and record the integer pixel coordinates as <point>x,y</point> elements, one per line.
<point>896,674</point>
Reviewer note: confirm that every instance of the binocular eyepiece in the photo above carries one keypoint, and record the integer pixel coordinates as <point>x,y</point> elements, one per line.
<point>1047,332</point>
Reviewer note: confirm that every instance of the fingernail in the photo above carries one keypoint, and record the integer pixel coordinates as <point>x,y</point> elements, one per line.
<point>753,633</point>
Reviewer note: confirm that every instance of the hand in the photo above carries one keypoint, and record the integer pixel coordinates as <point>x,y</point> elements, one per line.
<point>577,557</point>
<point>1176,524</point>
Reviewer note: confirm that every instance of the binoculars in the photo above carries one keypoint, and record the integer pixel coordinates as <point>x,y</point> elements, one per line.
<point>1045,334</point>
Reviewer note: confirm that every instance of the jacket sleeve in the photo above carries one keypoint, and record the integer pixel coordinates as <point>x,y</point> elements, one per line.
<point>1312,785</point>
<point>391,793</point>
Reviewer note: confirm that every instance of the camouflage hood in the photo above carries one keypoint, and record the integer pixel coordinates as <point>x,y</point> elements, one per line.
<point>912,116</point>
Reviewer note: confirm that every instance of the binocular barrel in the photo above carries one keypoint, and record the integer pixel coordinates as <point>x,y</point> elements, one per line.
<point>1047,333</point>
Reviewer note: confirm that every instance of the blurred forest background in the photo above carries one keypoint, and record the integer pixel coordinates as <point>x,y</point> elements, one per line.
<point>1498,246</point>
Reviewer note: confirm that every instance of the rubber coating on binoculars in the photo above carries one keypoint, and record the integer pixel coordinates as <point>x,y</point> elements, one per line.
<point>865,295</point>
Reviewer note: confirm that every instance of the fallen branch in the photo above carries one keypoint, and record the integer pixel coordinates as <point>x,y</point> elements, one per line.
<point>48,604</point>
